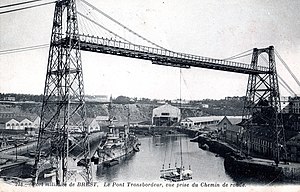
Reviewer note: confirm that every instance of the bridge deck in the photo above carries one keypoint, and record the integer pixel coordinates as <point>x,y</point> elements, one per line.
<point>161,56</point>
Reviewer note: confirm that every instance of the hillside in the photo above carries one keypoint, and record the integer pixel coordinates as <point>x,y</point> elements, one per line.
<point>139,109</point>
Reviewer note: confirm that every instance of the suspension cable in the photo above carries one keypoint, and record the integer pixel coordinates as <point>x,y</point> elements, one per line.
<point>287,87</point>
<point>22,49</point>
<point>117,22</point>
<point>21,3</point>
<point>284,86</point>
<point>265,59</point>
<point>287,67</point>
<point>283,83</point>
<point>233,57</point>
<point>28,7</point>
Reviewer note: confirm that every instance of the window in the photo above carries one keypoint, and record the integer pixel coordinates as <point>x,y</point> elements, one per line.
<point>165,113</point>
<point>8,124</point>
<point>21,124</point>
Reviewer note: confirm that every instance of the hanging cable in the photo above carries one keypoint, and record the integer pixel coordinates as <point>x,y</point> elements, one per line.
<point>186,85</point>
<point>95,28</point>
<point>120,24</point>
<point>28,7</point>
<point>103,27</point>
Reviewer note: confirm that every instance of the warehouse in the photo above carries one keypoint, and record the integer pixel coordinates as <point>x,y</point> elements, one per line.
<point>165,115</point>
<point>201,122</point>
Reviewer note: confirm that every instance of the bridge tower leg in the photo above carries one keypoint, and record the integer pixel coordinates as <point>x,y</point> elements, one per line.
<point>262,104</point>
<point>63,105</point>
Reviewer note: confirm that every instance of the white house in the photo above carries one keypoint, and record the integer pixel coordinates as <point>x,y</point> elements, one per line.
<point>92,125</point>
<point>11,124</point>
<point>25,123</point>
<point>165,115</point>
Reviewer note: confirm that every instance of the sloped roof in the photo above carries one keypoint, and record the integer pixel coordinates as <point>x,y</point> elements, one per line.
<point>205,118</point>
<point>166,106</point>
<point>89,121</point>
<point>5,120</point>
<point>102,118</point>
<point>294,140</point>
<point>18,117</point>
<point>234,119</point>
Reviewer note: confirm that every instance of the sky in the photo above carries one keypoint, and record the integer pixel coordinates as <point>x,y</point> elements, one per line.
<point>212,28</point>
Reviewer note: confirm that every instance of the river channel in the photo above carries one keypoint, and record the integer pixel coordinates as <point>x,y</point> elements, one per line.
<point>156,151</point>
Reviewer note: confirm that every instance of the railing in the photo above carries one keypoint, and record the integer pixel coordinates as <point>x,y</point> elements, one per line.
<point>87,39</point>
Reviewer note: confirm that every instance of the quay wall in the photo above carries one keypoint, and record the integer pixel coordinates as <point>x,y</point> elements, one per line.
<point>214,145</point>
<point>239,166</point>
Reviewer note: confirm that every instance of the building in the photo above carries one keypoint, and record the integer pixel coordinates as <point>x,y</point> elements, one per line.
<point>235,98</point>
<point>105,120</point>
<point>97,98</point>
<point>9,98</point>
<point>200,122</point>
<point>20,122</point>
<point>293,148</point>
<point>180,101</point>
<point>92,125</point>
<point>206,106</point>
<point>293,105</point>
<point>165,115</point>
<point>229,129</point>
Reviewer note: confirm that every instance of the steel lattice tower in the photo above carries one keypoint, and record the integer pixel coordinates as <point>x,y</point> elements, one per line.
<point>63,102</point>
<point>262,105</point>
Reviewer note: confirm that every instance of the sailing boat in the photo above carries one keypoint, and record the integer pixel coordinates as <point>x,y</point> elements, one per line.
<point>175,173</point>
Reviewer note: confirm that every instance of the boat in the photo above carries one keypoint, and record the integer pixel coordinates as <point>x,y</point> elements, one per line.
<point>204,147</point>
<point>110,163</point>
<point>116,145</point>
<point>176,174</point>
<point>50,173</point>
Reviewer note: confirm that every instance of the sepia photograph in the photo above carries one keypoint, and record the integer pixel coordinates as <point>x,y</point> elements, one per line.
<point>153,95</point>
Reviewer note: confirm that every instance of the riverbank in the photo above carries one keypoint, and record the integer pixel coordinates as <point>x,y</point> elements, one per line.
<point>251,169</point>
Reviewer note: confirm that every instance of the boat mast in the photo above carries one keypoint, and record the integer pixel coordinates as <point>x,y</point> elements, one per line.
<point>126,131</point>
<point>180,143</point>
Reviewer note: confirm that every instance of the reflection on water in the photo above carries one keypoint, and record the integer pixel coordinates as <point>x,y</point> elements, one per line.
<point>156,151</point>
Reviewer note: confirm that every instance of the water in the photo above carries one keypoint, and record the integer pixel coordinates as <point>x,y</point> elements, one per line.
<point>156,151</point>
